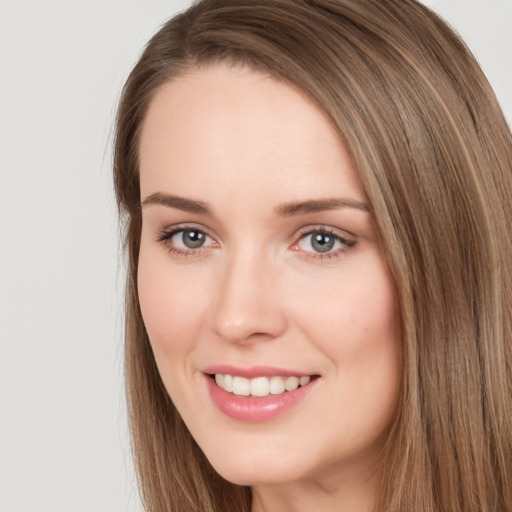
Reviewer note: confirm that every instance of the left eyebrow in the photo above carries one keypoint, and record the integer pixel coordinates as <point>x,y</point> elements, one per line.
<point>318,205</point>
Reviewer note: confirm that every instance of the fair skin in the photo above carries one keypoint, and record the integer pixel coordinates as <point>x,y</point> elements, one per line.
<point>259,258</point>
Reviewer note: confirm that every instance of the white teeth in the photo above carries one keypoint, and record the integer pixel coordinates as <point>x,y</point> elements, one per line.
<point>228,383</point>
<point>241,386</point>
<point>291,383</point>
<point>302,381</point>
<point>277,385</point>
<point>259,386</point>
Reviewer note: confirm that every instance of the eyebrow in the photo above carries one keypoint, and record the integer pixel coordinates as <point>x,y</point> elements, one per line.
<point>284,210</point>
<point>181,203</point>
<point>318,205</point>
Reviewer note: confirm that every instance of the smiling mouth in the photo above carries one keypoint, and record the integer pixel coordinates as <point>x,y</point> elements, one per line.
<point>260,386</point>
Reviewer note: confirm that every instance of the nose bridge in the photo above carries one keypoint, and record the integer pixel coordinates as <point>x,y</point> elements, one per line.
<point>247,305</point>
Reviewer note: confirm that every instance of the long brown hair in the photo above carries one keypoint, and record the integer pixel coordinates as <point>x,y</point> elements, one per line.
<point>434,153</point>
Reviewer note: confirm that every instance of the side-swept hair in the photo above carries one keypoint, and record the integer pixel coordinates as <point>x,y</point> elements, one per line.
<point>434,153</point>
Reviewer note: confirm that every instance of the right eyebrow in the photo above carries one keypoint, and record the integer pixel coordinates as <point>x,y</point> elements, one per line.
<point>181,203</point>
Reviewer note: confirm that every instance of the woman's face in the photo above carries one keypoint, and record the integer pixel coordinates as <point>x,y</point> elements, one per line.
<point>260,267</point>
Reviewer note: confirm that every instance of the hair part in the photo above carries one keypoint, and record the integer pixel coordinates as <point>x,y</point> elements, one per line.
<point>434,153</point>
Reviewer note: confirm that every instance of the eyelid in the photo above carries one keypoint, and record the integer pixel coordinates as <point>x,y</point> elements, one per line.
<point>347,239</point>
<point>168,231</point>
<point>166,234</point>
<point>312,228</point>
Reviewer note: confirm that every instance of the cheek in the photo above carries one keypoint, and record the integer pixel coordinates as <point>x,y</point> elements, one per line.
<point>372,348</point>
<point>170,305</point>
<point>353,322</point>
<point>352,312</point>
<point>372,356</point>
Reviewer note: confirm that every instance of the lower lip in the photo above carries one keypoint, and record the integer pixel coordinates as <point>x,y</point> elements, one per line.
<point>256,409</point>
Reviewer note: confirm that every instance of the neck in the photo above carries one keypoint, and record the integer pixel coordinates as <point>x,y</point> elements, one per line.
<point>334,494</point>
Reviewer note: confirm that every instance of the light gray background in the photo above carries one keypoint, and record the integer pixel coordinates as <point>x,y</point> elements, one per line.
<point>63,434</point>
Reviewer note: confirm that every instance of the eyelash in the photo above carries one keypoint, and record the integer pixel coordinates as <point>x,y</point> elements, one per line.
<point>346,243</point>
<point>165,236</point>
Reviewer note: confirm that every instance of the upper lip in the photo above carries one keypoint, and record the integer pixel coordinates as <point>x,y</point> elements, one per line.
<point>254,371</point>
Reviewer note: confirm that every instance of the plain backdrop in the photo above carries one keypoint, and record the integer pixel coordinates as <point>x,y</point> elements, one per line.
<point>63,435</point>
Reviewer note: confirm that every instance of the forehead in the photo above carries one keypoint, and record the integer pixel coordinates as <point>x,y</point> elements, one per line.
<point>235,128</point>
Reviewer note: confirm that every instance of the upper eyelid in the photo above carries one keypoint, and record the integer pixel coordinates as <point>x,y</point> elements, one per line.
<point>341,233</point>
<point>165,236</point>
<point>169,231</point>
<point>346,241</point>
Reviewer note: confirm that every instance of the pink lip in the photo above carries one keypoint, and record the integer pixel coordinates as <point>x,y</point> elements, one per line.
<point>256,409</point>
<point>253,371</point>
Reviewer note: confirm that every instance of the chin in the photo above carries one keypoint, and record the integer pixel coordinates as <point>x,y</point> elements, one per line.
<point>256,475</point>
<point>256,468</point>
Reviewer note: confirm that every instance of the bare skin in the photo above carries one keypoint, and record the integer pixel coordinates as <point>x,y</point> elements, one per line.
<point>258,250</point>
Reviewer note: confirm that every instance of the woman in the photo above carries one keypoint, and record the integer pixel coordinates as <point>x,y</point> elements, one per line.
<point>318,208</point>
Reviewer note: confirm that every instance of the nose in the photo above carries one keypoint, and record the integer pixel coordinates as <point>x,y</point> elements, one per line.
<point>248,306</point>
